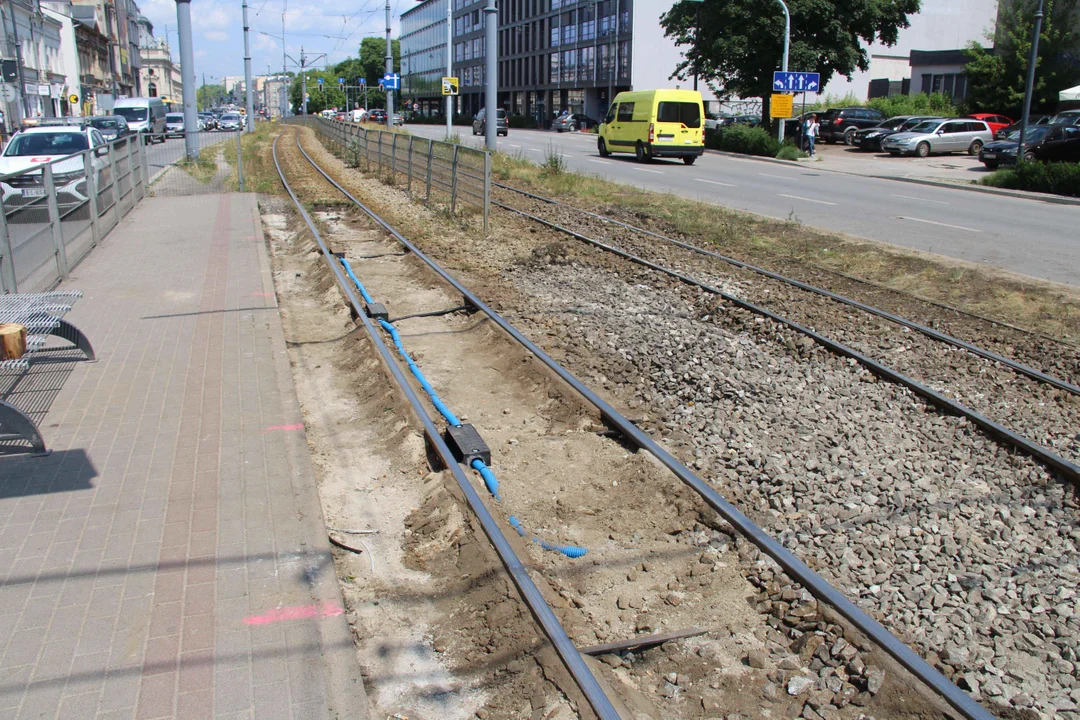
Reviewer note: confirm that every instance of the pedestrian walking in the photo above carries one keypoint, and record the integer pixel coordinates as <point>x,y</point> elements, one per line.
<point>812,129</point>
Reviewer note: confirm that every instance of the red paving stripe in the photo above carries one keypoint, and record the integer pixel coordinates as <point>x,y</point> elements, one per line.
<point>192,514</point>
<point>302,612</point>
<point>298,426</point>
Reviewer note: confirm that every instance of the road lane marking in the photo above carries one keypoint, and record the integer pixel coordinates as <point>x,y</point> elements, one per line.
<point>714,182</point>
<point>934,222</point>
<point>601,162</point>
<point>515,146</point>
<point>535,150</point>
<point>909,197</point>
<point>781,177</point>
<point>658,172</point>
<point>800,197</point>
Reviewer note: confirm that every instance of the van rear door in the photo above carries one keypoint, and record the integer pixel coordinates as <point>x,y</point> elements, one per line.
<point>677,123</point>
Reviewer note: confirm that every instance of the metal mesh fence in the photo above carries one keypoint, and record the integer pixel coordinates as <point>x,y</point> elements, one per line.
<point>171,173</point>
<point>454,176</point>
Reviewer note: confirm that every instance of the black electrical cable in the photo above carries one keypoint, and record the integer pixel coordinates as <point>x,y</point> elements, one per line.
<point>433,313</point>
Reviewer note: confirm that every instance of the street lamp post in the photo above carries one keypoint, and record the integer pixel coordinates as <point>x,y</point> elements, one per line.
<point>449,65</point>
<point>187,74</point>
<point>784,67</point>
<point>1030,84</point>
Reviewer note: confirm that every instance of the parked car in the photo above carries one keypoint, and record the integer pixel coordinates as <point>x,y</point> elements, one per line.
<point>399,120</point>
<point>870,138</point>
<point>940,136</point>
<point>715,120</point>
<point>996,122</point>
<point>359,115</point>
<point>752,120</point>
<point>209,120</point>
<point>842,123</point>
<point>1066,117</point>
<point>231,121</point>
<point>174,125</point>
<point>570,123</point>
<point>378,115</point>
<point>111,127</point>
<point>38,145</point>
<point>1003,152</point>
<point>1061,144</point>
<point>502,124</point>
<point>1033,120</point>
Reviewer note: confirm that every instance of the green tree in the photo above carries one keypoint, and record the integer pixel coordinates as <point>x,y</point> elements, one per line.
<point>996,76</point>
<point>208,96</point>
<point>322,96</point>
<point>736,45</point>
<point>373,58</point>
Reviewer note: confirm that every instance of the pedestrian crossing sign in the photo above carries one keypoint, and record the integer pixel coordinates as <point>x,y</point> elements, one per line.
<point>449,86</point>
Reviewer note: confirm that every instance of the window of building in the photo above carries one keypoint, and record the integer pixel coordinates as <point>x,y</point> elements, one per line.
<point>468,50</point>
<point>555,35</point>
<point>586,63</point>
<point>569,33</point>
<point>554,72</point>
<point>459,52</point>
<point>459,26</point>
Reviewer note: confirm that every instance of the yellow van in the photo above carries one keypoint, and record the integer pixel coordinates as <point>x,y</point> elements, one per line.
<point>655,123</point>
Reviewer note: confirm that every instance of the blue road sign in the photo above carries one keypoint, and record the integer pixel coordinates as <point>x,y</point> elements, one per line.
<point>320,80</point>
<point>391,81</point>
<point>796,82</point>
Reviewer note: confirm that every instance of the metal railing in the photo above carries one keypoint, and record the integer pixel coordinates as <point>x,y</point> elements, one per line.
<point>454,176</point>
<point>54,213</point>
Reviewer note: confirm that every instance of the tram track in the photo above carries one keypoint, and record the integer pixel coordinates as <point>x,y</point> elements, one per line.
<point>739,522</point>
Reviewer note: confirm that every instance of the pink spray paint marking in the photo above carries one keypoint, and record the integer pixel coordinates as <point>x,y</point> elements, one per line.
<point>262,294</point>
<point>298,426</point>
<point>301,612</point>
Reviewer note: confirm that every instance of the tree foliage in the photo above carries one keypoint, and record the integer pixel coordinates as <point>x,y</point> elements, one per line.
<point>208,96</point>
<point>370,66</point>
<point>997,76</point>
<point>735,45</point>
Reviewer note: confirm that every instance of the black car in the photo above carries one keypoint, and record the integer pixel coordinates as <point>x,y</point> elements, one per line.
<point>502,125</point>
<point>842,123</point>
<point>378,115</point>
<point>870,138</point>
<point>1033,120</point>
<point>110,126</point>
<point>1066,117</point>
<point>1048,143</point>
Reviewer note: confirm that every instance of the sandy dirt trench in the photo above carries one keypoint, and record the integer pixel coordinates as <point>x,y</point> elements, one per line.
<point>964,549</point>
<point>440,632</point>
<point>1039,411</point>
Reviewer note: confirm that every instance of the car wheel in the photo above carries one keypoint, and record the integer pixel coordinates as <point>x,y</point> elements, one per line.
<point>922,149</point>
<point>849,136</point>
<point>601,147</point>
<point>990,165</point>
<point>641,153</point>
<point>1029,156</point>
<point>689,159</point>
<point>975,147</point>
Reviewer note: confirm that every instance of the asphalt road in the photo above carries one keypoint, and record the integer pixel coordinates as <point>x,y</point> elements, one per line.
<point>1027,236</point>
<point>161,155</point>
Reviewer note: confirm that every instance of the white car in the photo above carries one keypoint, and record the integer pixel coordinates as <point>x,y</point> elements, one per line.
<point>359,115</point>
<point>232,121</point>
<point>174,125</point>
<point>38,145</point>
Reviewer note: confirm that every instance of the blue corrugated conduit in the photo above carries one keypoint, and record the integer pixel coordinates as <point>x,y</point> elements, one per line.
<point>492,482</point>
<point>570,551</point>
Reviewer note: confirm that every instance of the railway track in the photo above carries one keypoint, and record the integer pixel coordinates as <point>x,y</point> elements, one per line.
<point>366,311</point>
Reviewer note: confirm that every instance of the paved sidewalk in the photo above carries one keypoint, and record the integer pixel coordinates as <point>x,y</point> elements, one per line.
<point>169,559</point>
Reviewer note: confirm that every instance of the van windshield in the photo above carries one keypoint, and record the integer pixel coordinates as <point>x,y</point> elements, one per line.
<point>131,114</point>
<point>687,113</point>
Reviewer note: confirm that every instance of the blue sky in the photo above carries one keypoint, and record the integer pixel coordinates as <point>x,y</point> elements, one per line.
<point>219,36</point>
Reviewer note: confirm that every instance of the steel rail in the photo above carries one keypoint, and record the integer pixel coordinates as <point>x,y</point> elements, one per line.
<point>564,646</point>
<point>892,317</point>
<point>795,568</point>
<point>995,429</point>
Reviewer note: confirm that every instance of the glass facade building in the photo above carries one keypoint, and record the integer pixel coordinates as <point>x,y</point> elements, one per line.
<point>423,56</point>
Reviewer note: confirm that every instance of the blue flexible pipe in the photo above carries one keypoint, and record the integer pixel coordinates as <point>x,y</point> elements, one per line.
<point>359,285</point>
<point>489,477</point>
<point>435,399</point>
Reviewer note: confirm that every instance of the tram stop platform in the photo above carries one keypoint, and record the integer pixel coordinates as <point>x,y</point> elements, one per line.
<point>169,558</point>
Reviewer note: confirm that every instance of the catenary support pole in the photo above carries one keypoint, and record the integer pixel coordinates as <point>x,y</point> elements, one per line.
<point>303,82</point>
<point>784,67</point>
<point>187,74</point>
<point>248,103</point>
<point>1030,84</point>
<point>491,74</point>
<point>449,65</point>
<point>389,71</point>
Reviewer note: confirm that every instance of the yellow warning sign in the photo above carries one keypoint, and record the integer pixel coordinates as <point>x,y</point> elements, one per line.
<point>449,86</point>
<point>782,105</point>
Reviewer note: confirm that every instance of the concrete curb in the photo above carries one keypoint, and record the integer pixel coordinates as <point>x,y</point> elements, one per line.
<point>1022,194</point>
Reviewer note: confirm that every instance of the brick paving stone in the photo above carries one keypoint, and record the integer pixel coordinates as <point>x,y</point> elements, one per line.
<point>133,557</point>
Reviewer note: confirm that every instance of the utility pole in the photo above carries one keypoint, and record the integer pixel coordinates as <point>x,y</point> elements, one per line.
<point>303,82</point>
<point>19,62</point>
<point>1030,84</point>
<point>491,70</point>
<point>284,77</point>
<point>449,65</point>
<point>187,74</point>
<point>390,71</point>
<point>248,103</point>
<point>787,42</point>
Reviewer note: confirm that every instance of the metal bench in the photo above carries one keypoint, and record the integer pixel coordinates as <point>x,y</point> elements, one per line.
<point>42,314</point>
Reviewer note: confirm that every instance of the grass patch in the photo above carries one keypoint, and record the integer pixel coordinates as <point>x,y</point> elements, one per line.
<point>260,175</point>
<point>789,152</point>
<point>203,168</point>
<point>1053,178</point>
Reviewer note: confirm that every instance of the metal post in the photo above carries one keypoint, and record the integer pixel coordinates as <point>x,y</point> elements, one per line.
<point>379,154</point>
<point>115,182</point>
<point>453,180</point>
<point>449,65</point>
<point>92,193</point>
<point>430,153</point>
<point>303,82</point>
<point>393,155</point>
<point>491,71</point>
<point>1030,84</point>
<point>487,190</point>
<point>19,62</point>
<point>187,72</point>
<point>239,161</point>
<point>389,71</point>
<point>408,189</point>
<point>144,162</point>
<point>131,176</point>
<point>787,42</point>
<point>8,278</point>
<point>248,102</point>
<point>54,220</point>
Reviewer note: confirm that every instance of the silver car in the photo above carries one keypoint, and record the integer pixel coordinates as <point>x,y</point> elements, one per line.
<point>940,136</point>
